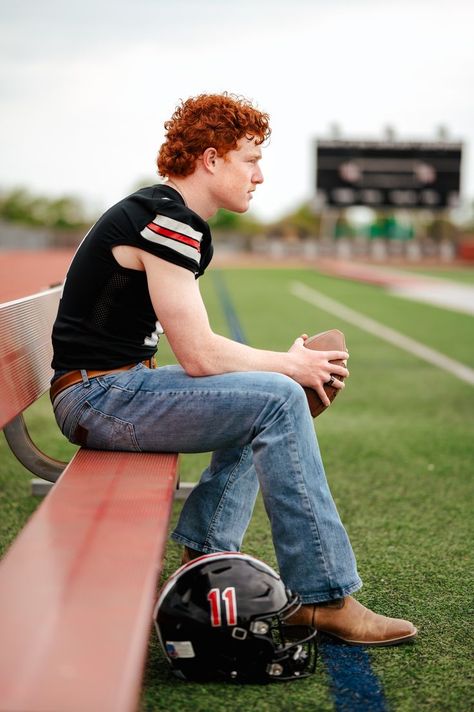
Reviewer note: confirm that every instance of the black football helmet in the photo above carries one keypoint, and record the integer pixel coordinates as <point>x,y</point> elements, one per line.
<point>222,617</point>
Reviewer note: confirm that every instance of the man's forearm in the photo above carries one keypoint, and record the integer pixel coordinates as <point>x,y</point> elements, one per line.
<point>219,354</point>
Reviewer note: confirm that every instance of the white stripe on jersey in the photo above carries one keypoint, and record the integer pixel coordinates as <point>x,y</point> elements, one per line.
<point>177,226</point>
<point>175,245</point>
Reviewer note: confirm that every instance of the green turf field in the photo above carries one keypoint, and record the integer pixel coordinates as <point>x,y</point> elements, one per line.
<point>398,447</point>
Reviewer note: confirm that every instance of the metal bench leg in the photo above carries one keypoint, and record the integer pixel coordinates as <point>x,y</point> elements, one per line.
<point>28,454</point>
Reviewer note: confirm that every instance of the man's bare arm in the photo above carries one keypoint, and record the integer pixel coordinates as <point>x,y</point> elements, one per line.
<point>201,352</point>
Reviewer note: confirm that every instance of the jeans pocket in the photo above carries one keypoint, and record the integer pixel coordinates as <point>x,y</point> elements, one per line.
<point>65,405</point>
<point>99,431</point>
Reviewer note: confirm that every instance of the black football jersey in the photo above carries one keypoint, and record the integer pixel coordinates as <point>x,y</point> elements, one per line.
<point>106,318</point>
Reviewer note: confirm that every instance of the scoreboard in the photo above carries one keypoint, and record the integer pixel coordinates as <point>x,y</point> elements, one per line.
<point>390,174</point>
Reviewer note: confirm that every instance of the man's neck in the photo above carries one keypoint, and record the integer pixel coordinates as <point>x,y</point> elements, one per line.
<point>195,195</point>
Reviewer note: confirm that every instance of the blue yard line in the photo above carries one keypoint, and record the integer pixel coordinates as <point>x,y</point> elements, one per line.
<point>354,685</point>
<point>230,313</point>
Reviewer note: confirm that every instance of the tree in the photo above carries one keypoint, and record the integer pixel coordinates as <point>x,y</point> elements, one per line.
<point>302,221</point>
<point>19,206</point>
<point>226,221</point>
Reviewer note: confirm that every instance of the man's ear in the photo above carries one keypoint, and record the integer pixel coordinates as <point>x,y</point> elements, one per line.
<point>209,158</point>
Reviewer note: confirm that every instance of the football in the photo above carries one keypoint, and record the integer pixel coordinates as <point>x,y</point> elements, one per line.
<point>332,340</point>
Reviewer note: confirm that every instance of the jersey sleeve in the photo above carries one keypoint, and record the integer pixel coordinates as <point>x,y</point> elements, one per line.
<point>156,220</point>
<point>173,240</point>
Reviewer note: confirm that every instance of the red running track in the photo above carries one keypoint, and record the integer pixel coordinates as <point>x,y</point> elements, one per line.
<point>24,272</point>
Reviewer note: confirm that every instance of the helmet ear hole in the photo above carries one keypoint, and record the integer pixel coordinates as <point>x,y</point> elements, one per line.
<point>222,617</point>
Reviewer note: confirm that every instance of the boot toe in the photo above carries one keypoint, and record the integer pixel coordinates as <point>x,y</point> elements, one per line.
<point>354,624</point>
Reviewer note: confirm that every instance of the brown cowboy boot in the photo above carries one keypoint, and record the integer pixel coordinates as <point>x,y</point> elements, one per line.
<point>349,621</point>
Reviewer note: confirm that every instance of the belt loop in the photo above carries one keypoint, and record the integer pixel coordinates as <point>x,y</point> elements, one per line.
<point>85,378</point>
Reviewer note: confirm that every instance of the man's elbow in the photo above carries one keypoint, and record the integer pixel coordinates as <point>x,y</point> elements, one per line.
<point>196,367</point>
<point>198,357</point>
<point>195,370</point>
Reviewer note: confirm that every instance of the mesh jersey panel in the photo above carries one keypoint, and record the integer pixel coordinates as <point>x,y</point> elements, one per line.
<point>107,299</point>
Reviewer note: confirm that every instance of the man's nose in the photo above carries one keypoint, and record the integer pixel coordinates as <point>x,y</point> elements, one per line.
<point>257,176</point>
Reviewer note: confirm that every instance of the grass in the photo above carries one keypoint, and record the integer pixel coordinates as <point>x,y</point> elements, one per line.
<point>398,450</point>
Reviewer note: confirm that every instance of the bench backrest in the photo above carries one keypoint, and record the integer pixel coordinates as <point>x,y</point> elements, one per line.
<point>25,351</point>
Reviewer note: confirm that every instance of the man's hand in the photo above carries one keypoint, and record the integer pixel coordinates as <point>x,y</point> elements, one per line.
<point>314,368</point>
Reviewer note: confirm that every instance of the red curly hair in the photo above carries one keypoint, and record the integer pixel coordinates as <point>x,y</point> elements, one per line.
<point>208,120</point>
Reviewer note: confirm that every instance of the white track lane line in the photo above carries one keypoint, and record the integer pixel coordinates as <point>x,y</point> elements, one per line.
<point>310,295</point>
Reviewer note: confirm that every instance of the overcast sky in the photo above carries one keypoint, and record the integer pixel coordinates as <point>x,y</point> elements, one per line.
<point>85,87</point>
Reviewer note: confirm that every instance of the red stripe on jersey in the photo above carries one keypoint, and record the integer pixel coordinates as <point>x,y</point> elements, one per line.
<point>174,235</point>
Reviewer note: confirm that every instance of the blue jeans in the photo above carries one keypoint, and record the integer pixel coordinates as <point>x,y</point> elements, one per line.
<point>260,431</point>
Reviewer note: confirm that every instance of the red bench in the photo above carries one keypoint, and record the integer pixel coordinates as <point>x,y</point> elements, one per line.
<point>78,585</point>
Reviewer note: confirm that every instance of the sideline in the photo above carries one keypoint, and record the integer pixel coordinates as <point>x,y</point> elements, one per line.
<point>310,295</point>
<point>441,292</point>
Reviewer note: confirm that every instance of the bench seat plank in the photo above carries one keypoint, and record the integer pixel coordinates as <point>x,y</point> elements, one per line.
<point>77,586</point>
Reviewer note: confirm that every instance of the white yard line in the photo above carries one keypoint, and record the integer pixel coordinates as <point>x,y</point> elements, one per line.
<point>310,295</point>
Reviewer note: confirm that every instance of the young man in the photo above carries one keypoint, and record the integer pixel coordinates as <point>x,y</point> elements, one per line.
<point>135,276</point>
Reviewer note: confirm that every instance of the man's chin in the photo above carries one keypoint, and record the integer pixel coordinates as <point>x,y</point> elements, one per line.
<point>242,208</point>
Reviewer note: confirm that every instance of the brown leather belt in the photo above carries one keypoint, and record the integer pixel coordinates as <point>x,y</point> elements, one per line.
<point>72,377</point>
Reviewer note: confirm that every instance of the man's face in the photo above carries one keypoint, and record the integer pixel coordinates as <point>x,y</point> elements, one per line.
<point>237,176</point>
